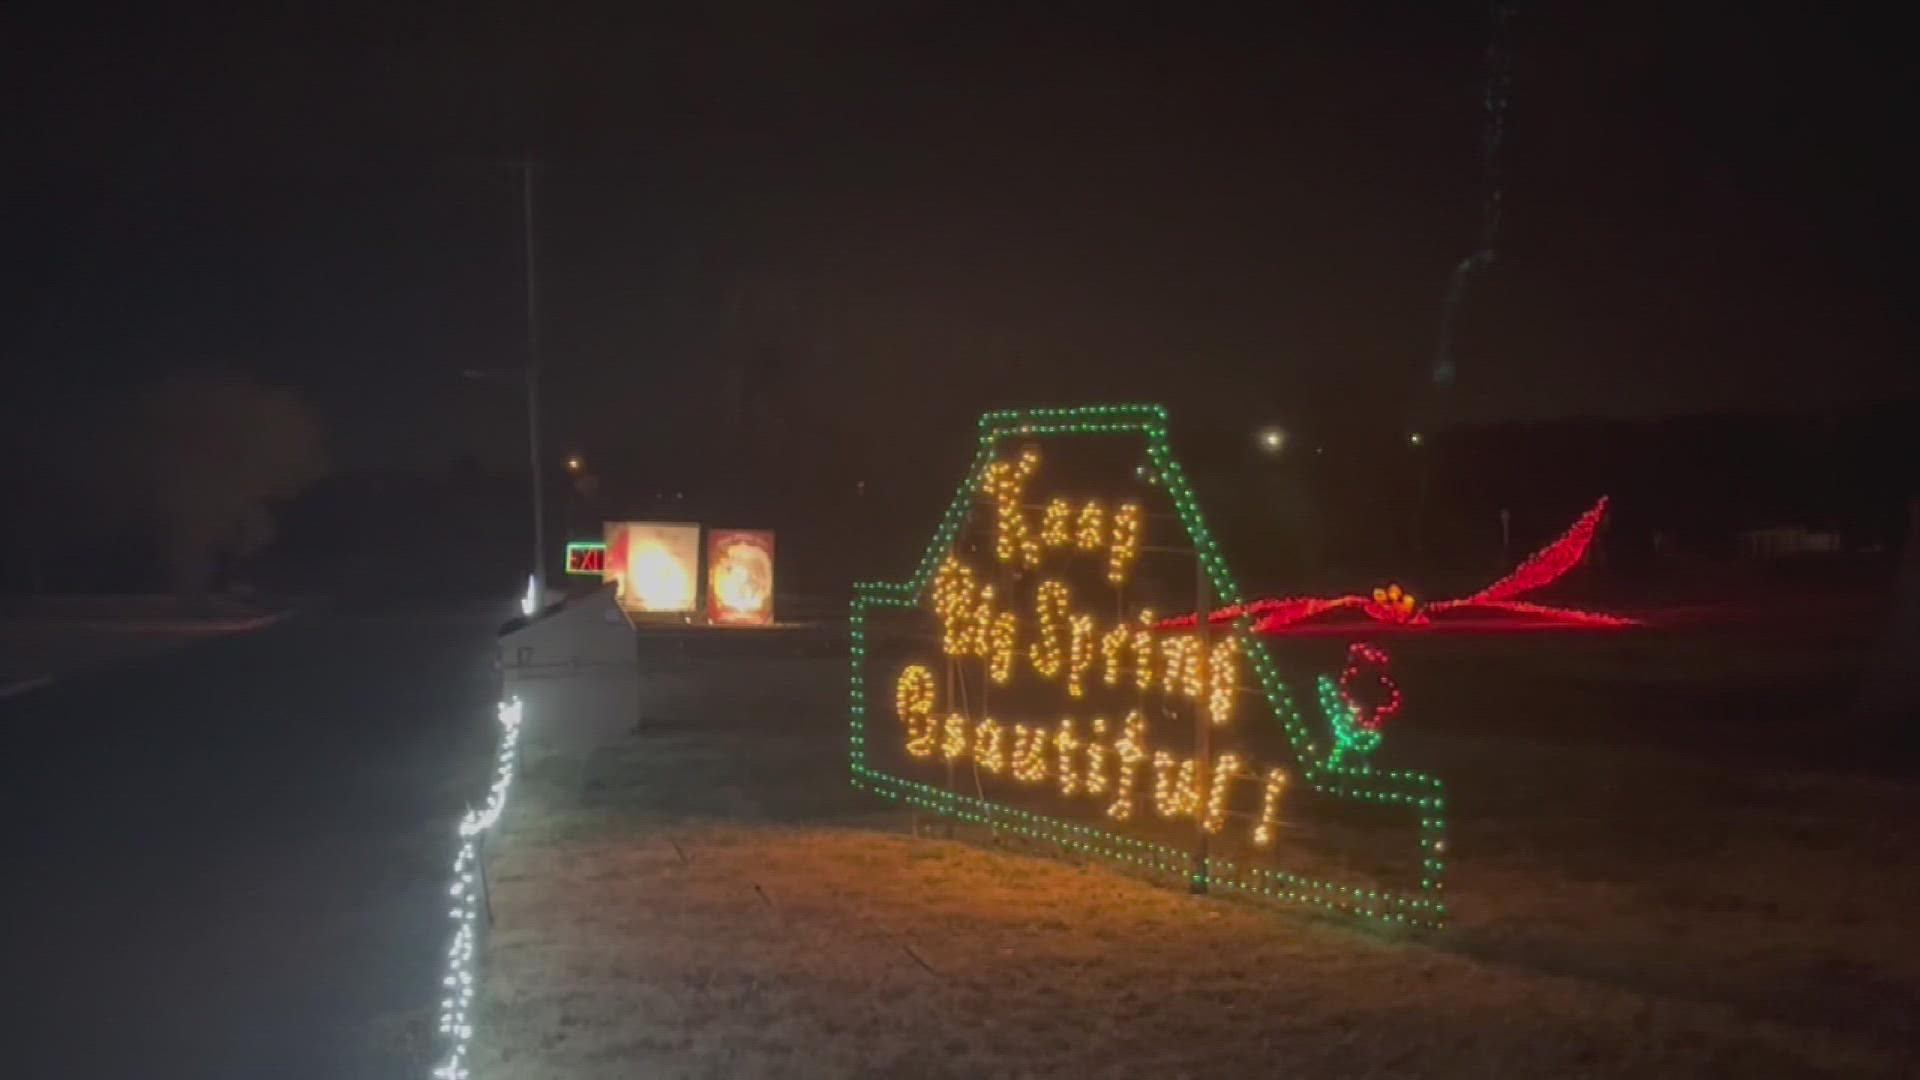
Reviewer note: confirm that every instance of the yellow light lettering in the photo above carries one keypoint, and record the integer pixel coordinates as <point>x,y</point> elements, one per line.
<point>1223,678</point>
<point>1176,785</point>
<point>953,602</point>
<point>1270,807</point>
<point>1226,768</point>
<point>913,701</point>
<point>1097,754</point>
<point>1030,753</point>
<point>1092,532</point>
<point>1051,620</point>
<point>1056,528</point>
<point>1143,651</point>
<point>1174,652</point>
<point>1079,652</point>
<point>1113,645</point>
<point>1130,752</point>
<point>954,746</point>
<point>1067,744</point>
<point>1126,542</point>
<point>979,633</point>
<point>1006,482</point>
<point>988,748</point>
<point>1006,628</point>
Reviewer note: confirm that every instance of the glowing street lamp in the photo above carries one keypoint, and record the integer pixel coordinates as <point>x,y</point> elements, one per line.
<point>1271,440</point>
<point>575,463</point>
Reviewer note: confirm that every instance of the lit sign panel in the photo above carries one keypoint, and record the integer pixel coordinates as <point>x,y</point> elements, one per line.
<point>1023,677</point>
<point>739,577</point>
<point>657,565</point>
<point>587,557</point>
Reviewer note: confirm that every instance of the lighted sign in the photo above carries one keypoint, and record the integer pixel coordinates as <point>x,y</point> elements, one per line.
<point>739,577</point>
<point>587,557</point>
<point>657,565</point>
<point>1021,679</point>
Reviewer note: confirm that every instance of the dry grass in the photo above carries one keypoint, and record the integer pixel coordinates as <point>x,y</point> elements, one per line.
<point>709,900</point>
<point>781,952</point>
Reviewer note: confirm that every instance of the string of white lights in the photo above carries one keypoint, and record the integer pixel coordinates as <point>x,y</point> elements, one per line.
<point>456,1021</point>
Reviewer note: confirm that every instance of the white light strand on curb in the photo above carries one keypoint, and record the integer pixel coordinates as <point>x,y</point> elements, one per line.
<point>455,1022</point>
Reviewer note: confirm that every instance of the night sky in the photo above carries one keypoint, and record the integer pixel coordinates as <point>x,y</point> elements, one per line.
<point>887,216</point>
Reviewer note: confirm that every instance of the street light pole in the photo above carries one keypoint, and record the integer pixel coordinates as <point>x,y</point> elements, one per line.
<point>533,392</point>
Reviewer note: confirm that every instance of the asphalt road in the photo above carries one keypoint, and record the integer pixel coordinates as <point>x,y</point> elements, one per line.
<point>230,860</point>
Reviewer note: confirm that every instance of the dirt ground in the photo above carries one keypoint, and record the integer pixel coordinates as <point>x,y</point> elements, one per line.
<point>711,899</point>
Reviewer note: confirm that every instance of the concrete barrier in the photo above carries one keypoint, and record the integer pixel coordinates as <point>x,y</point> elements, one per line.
<point>576,667</point>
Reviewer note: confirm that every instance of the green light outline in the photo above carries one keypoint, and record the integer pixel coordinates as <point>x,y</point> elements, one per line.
<point>1420,792</point>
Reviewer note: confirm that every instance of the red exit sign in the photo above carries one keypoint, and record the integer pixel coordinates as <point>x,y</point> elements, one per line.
<point>586,557</point>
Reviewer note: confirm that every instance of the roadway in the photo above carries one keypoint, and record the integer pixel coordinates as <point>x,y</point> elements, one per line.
<point>230,859</point>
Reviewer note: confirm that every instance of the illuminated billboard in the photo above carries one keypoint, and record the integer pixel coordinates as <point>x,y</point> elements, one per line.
<point>656,564</point>
<point>740,577</point>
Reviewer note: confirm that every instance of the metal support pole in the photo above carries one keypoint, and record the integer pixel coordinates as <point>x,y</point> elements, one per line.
<point>533,392</point>
<point>1202,737</point>
<point>953,673</point>
<point>986,682</point>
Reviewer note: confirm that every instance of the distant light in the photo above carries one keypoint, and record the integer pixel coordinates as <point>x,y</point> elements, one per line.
<point>659,579</point>
<point>740,578</point>
<point>575,463</point>
<point>656,563</point>
<point>1270,439</point>
<point>1415,439</point>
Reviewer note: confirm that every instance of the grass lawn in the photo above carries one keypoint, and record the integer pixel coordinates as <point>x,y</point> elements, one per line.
<point>1663,864</point>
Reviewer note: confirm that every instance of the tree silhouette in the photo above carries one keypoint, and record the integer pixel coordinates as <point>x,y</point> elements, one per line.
<point>209,455</point>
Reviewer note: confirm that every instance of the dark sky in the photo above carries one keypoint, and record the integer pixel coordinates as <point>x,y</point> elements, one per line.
<point>898,213</point>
